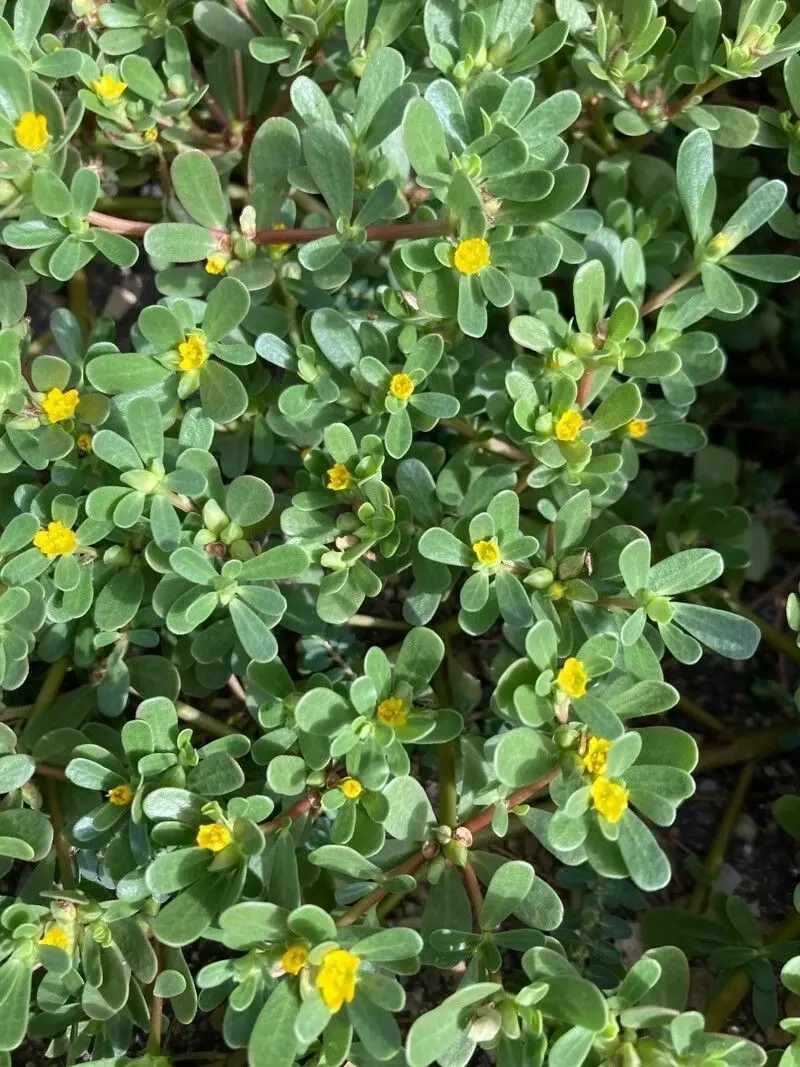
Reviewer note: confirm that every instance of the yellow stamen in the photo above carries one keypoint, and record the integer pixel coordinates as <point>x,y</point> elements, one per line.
<point>637,428</point>
<point>595,757</point>
<point>193,352</point>
<point>31,131</point>
<point>572,679</point>
<point>84,442</point>
<point>610,800</point>
<point>339,478</point>
<point>393,712</point>
<point>56,540</point>
<point>121,796</point>
<point>294,959</point>
<point>109,89</point>
<point>59,406</point>
<point>213,836</point>
<point>487,552</point>
<point>472,255</point>
<point>401,386</point>
<point>336,980</point>
<point>57,937</point>
<point>569,426</point>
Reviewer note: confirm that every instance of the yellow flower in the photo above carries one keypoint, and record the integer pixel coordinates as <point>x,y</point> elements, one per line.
<point>472,255</point>
<point>149,135</point>
<point>216,264</point>
<point>59,406</point>
<point>56,936</point>
<point>31,131</point>
<point>84,442</point>
<point>213,836</point>
<point>596,755</point>
<point>351,787</point>
<point>556,591</point>
<point>393,712</point>
<point>281,248</point>
<point>487,552</point>
<point>294,959</point>
<point>336,980</point>
<point>401,386</point>
<point>109,89</point>
<point>637,428</point>
<point>338,477</point>
<point>56,540</point>
<point>193,352</point>
<point>569,426</point>
<point>572,678</point>
<point>610,800</point>
<point>121,796</point>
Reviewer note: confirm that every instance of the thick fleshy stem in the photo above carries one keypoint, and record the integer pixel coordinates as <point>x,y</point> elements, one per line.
<point>307,804</point>
<point>361,907</point>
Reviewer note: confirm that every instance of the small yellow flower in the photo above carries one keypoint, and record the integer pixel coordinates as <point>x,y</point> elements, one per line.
<point>336,980</point>
<point>572,678</point>
<point>216,264</point>
<point>339,477</point>
<point>637,428</point>
<point>84,442</point>
<point>280,248</point>
<point>109,89</point>
<point>569,426</point>
<point>59,406</point>
<point>393,712</point>
<point>31,131</point>
<point>56,540</point>
<point>610,800</point>
<point>294,959</point>
<point>487,552</point>
<point>149,135</point>
<point>351,787</point>
<point>193,352</point>
<point>57,937</point>
<point>472,255</point>
<point>401,386</point>
<point>121,796</point>
<point>556,591</point>
<point>213,836</point>
<point>595,757</point>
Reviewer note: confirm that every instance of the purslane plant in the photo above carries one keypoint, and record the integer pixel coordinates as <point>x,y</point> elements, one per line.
<point>432,282</point>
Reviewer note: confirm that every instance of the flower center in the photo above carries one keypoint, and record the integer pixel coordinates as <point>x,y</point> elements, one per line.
<point>57,937</point>
<point>610,800</point>
<point>56,540</point>
<point>216,264</point>
<point>401,386</point>
<point>572,679</point>
<point>193,352</point>
<point>393,712</point>
<point>487,552</point>
<point>637,428</point>
<point>31,131</point>
<point>213,836</point>
<point>336,980</point>
<point>569,426</point>
<point>472,255</point>
<point>294,959</point>
<point>351,787</point>
<point>59,406</point>
<point>121,796</point>
<point>595,757</point>
<point>108,88</point>
<point>338,477</point>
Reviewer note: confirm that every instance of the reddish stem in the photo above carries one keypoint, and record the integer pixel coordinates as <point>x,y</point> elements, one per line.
<point>584,388</point>
<point>519,796</point>
<point>309,803</point>
<point>411,866</point>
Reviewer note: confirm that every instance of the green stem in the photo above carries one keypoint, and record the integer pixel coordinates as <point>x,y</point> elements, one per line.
<point>373,622</point>
<point>446,755</point>
<point>51,687</point>
<point>662,298</point>
<point>716,853</point>
<point>204,722</point>
<point>755,746</point>
<point>699,714</point>
<point>156,1013</point>
<point>736,989</point>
